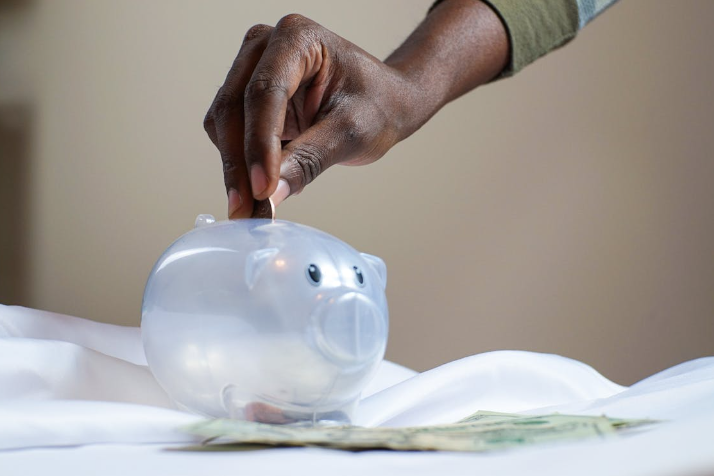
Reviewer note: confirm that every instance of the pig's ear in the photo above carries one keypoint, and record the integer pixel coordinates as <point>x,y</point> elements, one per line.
<point>256,262</point>
<point>378,265</point>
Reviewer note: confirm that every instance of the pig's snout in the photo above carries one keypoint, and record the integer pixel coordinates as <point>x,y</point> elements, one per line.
<point>350,328</point>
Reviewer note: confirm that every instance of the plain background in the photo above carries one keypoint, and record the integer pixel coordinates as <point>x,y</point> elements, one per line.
<point>568,210</point>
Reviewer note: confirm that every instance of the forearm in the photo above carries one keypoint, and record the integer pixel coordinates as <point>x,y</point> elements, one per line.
<point>460,45</point>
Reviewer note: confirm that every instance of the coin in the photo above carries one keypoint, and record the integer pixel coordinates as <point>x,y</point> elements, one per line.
<point>263,209</point>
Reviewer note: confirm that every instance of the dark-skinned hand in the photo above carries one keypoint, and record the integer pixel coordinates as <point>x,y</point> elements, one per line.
<point>299,98</point>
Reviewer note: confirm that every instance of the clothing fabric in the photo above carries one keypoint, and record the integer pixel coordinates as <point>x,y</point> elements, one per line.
<point>537,27</point>
<point>76,398</point>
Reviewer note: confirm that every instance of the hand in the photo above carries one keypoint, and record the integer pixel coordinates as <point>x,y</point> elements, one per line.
<point>325,99</point>
<point>299,98</point>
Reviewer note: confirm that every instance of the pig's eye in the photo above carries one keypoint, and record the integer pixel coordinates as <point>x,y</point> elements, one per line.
<point>358,275</point>
<point>313,274</point>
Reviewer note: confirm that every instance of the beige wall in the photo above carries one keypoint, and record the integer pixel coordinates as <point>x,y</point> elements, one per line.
<point>568,210</point>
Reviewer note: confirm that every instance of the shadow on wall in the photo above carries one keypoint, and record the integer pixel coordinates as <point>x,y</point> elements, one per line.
<point>15,121</point>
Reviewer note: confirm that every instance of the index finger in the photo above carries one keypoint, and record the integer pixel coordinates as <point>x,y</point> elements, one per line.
<point>294,54</point>
<point>225,123</point>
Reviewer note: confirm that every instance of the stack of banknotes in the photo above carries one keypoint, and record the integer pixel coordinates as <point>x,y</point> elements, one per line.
<point>482,431</point>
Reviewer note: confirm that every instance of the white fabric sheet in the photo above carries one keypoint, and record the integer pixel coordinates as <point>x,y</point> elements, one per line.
<point>76,396</point>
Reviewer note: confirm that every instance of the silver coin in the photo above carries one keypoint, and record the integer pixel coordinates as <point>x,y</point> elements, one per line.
<point>263,209</point>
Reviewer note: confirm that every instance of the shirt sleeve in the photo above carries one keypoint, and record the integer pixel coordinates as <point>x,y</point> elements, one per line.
<point>536,27</point>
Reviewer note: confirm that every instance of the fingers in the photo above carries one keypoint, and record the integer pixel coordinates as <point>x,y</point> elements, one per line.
<point>277,89</point>
<point>235,177</point>
<point>293,55</point>
<point>225,123</point>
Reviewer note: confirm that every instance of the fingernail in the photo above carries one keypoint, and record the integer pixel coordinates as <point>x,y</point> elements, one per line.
<point>281,192</point>
<point>258,179</point>
<point>234,202</point>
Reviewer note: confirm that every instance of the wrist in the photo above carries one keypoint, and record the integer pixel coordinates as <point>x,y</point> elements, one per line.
<point>461,45</point>
<point>418,95</point>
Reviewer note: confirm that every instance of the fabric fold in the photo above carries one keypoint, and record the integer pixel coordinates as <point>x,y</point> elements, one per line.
<point>506,381</point>
<point>68,381</point>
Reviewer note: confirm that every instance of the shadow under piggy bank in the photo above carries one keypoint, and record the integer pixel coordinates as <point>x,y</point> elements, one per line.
<point>265,320</point>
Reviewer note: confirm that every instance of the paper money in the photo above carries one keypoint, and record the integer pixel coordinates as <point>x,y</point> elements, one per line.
<point>482,431</point>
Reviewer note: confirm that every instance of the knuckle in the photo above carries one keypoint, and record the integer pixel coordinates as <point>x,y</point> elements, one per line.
<point>232,169</point>
<point>310,162</point>
<point>297,30</point>
<point>208,123</point>
<point>261,86</point>
<point>291,21</point>
<point>225,102</point>
<point>229,166</point>
<point>256,31</point>
<point>222,101</point>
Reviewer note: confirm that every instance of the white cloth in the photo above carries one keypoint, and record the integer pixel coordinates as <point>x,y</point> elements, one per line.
<point>66,381</point>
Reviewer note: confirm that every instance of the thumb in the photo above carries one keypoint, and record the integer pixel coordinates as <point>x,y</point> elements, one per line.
<point>304,158</point>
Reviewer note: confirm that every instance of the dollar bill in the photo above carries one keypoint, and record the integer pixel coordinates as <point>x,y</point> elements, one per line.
<point>482,431</point>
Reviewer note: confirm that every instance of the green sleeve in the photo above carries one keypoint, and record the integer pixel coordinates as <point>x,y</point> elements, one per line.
<point>535,27</point>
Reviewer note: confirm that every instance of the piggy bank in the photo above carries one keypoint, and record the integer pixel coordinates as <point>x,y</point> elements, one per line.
<point>265,320</point>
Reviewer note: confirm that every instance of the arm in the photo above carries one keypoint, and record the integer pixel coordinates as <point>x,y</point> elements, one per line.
<point>536,28</point>
<point>299,98</point>
<point>460,45</point>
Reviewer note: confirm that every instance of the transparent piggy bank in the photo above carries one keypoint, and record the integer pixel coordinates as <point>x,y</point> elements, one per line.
<point>265,320</point>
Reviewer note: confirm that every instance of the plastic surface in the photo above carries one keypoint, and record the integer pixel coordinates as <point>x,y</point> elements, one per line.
<point>265,320</point>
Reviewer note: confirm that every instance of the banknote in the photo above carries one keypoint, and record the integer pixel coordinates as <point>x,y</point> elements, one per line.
<point>487,417</point>
<point>482,431</point>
